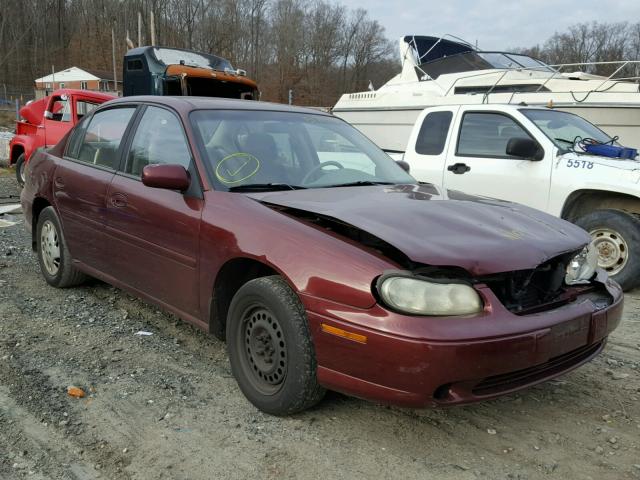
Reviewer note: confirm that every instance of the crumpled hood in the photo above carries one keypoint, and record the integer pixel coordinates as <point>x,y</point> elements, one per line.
<point>439,228</point>
<point>33,112</point>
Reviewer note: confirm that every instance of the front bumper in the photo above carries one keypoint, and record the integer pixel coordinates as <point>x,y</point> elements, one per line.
<point>421,361</point>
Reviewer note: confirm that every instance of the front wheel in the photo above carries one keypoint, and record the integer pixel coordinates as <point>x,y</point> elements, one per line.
<point>21,163</point>
<point>270,348</point>
<point>616,235</point>
<point>53,254</point>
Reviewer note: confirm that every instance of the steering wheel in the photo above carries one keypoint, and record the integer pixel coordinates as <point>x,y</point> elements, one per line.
<point>320,166</point>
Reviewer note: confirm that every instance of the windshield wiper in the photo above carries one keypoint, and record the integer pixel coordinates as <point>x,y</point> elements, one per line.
<point>257,187</point>
<point>564,140</point>
<point>359,183</point>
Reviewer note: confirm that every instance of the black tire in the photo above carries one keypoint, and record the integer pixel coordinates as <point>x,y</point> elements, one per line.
<point>57,270</point>
<point>270,349</point>
<point>21,163</point>
<point>617,235</point>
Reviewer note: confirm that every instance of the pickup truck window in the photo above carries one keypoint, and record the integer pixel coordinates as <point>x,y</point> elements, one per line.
<point>433,133</point>
<point>83,107</point>
<point>487,135</point>
<point>103,136</point>
<point>60,110</point>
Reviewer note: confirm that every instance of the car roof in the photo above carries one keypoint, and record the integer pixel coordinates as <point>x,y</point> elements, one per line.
<point>187,104</point>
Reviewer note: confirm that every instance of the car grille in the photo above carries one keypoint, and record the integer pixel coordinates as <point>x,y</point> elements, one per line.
<point>500,383</point>
<point>529,291</point>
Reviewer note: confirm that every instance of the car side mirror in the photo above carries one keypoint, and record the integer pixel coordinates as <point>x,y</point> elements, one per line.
<point>169,177</point>
<point>524,148</point>
<point>403,165</point>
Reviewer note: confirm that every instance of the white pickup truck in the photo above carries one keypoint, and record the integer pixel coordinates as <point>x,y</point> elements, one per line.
<point>527,155</point>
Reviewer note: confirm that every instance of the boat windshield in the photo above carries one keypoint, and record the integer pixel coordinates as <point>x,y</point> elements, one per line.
<point>475,61</point>
<point>247,150</point>
<point>563,128</point>
<point>512,60</point>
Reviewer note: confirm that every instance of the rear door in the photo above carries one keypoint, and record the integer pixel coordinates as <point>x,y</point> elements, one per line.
<point>427,146</point>
<point>81,180</point>
<point>153,233</point>
<point>477,161</point>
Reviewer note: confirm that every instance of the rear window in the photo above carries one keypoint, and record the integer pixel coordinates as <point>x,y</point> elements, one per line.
<point>433,133</point>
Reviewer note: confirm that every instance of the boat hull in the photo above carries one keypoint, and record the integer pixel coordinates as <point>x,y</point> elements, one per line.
<point>390,127</point>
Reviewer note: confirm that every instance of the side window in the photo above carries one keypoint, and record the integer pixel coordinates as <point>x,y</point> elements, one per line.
<point>433,133</point>
<point>159,138</point>
<point>75,140</point>
<point>60,109</point>
<point>103,136</point>
<point>487,135</point>
<point>83,107</point>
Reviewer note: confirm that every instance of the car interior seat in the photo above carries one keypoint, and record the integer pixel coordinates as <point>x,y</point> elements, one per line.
<point>264,148</point>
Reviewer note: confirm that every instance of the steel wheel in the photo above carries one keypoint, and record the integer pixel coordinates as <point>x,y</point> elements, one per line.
<point>264,355</point>
<point>50,247</point>
<point>613,252</point>
<point>270,348</point>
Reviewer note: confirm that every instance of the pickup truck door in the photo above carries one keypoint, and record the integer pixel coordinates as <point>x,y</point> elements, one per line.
<point>427,145</point>
<point>58,119</point>
<point>477,162</point>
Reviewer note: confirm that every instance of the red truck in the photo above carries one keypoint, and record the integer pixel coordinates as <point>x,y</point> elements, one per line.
<point>47,120</point>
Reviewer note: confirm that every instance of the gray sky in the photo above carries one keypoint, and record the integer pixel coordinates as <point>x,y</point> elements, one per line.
<point>495,24</point>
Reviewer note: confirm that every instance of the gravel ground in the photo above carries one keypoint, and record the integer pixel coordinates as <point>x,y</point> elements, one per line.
<point>166,405</point>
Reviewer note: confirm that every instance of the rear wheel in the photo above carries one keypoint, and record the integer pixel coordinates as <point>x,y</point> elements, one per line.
<point>53,254</point>
<point>21,163</point>
<point>616,235</point>
<point>270,348</point>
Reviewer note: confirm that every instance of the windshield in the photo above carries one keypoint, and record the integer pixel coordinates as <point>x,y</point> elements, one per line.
<point>513,60</point>
<point>247,149</point>
<point>563,128</point>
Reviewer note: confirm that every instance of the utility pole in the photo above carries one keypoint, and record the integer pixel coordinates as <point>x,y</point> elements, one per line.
<point>139,29</point>
<point>113,58</point>
<point>53,80</point>
<point>153,29</point>
<point>290,96</point>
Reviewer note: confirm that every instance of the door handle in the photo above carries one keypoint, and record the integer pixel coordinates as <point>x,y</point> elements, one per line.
<point>119,200</point>
<point>459,168</point>
<point>58,183</point>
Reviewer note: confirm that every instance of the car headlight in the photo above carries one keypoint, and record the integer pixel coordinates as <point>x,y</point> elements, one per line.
<point>423,297</point>
<point>582,267</point>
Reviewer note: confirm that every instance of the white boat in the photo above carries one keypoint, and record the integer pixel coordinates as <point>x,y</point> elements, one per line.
<point>445,71</point>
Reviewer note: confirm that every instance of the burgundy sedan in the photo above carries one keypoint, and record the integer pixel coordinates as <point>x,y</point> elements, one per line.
<point>320,261</point>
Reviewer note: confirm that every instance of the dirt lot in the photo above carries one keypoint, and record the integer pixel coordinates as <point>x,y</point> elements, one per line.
<point>166,405</point>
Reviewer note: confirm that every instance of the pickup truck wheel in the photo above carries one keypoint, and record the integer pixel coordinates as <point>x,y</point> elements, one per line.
<point>53,254</point>
<point>21,163</point>
<point>616,235</point>
<point>270,349</point>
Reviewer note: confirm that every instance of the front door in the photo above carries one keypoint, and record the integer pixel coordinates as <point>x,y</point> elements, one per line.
<point>477,162</point>
<point>154,232</point>
<point>81,180</point>
<point>58,119</point>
